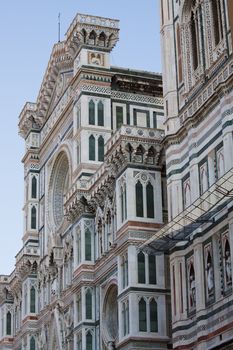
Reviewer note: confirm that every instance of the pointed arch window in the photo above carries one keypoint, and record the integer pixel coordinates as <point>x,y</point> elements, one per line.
<point>139,199</point>
<point>119,116</point>
<point>217,21</point>
<point>152,269</point>
<point>227,262</point>
<point>150,200</point>
<point>142,316</point>
<point>141,268</point>
<point>34,187</point>
<point>89,341</point>
<point>100,113</point>
<point>89,304</point>
<point>32,343</point>
<point>87,244</point>
<point>32,300</point>
<point>153,316</point>
<point>179,53</point>
<point>91,147</point>
<point>194,39</point>
<point>102,39</point>
<point>91,113</point>
<point>33,218</point>
<point>8,323</point>
<point>101,149</point>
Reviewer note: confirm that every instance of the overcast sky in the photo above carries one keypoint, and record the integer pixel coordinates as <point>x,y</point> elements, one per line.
<point>28,30</point>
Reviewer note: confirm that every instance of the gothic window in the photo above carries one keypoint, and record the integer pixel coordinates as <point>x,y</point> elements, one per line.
<point>141,268</point>
<point>119,116</point>
<point>194,38</point>
<point>91,113</point>
<point>100,149</point>
<point>142,316</point>
<point>79,307</point>
<point>34,187</point>
<point>8,323</point>
<point>139,199</point>
<point>87,244</point>
<point>32,300</point>
<point>89,341</point>
<point>92,38</point>
<point>204,177</point>
<point>32,343</point>
<point>227,263</point>
<point>100,237</point>
<point>88,304</point>
<point>152,268</point>
<point>150,200</point>
<point>217,21</point>
<point>153,316</point>
<point>102,39</point>
<point>192,287</point>
<point>91,147</point>
<point>100,113</point>
<point>179,54</point>
<point>33,217</point>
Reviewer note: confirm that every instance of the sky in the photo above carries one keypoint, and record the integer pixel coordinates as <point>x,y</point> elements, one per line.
<point>28,31</point>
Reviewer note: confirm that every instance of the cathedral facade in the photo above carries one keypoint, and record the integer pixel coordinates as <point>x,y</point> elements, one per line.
<point>95,190</point>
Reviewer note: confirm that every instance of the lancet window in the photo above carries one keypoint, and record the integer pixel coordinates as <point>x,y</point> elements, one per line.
<point>89,341</point>
<point>34,187</point>
<point>217,21</point>
<point>32,343</point>
<point>144,199</point>
<point>148,315</point>
<point>33,217</point>
<point>88,301</point>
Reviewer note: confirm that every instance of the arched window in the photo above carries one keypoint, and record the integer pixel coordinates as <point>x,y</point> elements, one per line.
<point>152,269</point>
<point>34,187</point>
<point>217,21</point>
<point>100,149</point>
<point>153,316</point>
<point>32,300</point>
<point>88,304</point>
<point>32,343</point>
<point>141,268</point>
<point>102,39</point>
<point>209,275</point>
<point>91,147</point>
<point>139,199</point>
<point>89,341</point>
<point>142,316</point>
<point>100,113</point>
<point>92,38</point>
<point>150,200</point>
<point>91,113</point>
<point>179,54</point>
<point>87,244</point>
<point>8,323</point>
<point>33,217</point>
<point>194,40</point>
<point>119,116</point>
